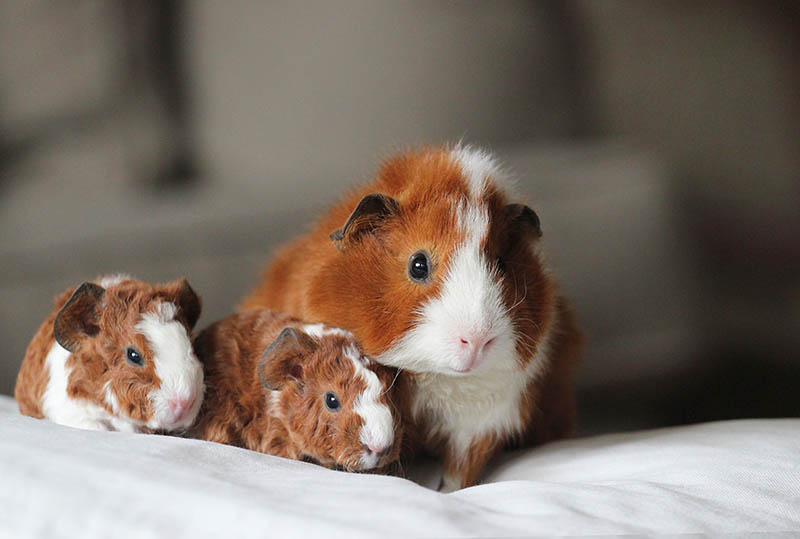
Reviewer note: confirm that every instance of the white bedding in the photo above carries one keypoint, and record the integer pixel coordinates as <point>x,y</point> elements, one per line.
<point>735,476</point>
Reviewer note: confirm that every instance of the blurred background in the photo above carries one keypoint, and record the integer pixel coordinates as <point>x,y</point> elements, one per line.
<point>659,141</point>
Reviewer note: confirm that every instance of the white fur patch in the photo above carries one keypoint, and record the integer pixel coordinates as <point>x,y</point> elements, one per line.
<point>479,167</point>
<point>180,372</point>
<point>378,428</point>
<point>321,330</point>
<point>473,219</point>
<point>114,279</point>
<point>59,407</point>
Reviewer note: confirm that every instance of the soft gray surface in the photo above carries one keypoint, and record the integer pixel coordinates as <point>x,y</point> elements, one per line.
<point>731,477</point>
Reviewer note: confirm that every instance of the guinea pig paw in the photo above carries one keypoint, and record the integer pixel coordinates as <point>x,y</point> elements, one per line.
<point>449,484</point>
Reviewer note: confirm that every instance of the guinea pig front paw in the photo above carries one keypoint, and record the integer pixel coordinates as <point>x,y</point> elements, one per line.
<point>449,484</point>
<point>102,424</point>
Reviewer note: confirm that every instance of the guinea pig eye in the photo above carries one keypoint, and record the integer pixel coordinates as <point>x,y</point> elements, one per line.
<point>332,401</point>
<point>134,356</point>
<point>419,267</point>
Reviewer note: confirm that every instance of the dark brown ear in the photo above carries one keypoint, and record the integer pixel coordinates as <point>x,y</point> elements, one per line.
<point>371,211</point>
<point>189,302</point>
<point>283,359</point>
<point>79,316</point>
<point>523,220</point>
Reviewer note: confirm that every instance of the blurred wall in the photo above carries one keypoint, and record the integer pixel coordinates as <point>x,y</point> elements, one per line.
<point>715,86</point>
<point>318,86</point>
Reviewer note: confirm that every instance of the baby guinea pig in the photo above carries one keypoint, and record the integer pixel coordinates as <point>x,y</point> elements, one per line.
<point>295,390</point>
<point>115,354</point>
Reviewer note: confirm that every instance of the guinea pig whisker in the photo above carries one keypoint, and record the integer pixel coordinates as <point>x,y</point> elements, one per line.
<point>525,340</point>
<point>514,280</point>
<point>523,319</point>
<point>522,299</point>
<point>524,291</point>
<point>396,375</point>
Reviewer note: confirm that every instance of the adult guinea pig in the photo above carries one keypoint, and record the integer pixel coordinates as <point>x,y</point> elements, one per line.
<point>436,270</point>
<point>115,354</point>
<point>301,391</point>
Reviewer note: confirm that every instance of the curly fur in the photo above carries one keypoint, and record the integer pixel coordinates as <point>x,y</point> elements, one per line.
<point>292,421</point>
<point>95,386</point>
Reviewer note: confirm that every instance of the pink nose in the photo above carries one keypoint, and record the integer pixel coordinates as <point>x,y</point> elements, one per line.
<point>476,342</point>
<point>180,406</point>
<point>379,450</point>
<point>474,345</point>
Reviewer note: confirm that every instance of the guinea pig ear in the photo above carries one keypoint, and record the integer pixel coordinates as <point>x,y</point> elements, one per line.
<point>79,316</point>
<point>370,213</point>
<point>283,359</point>
<point>523,219</point>
<point>189,302</point>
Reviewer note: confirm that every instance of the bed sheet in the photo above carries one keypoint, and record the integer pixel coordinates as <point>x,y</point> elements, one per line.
<point>736,477</point>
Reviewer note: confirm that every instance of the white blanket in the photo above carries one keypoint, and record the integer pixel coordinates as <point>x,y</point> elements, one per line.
<point>735,476</point>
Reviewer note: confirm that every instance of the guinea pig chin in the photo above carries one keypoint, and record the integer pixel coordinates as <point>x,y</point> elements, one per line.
<point>175,409</point>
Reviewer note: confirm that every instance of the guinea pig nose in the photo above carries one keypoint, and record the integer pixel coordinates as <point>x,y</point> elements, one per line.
<point>476,342</point>
<point>179,406</point>
<point>379,450</point>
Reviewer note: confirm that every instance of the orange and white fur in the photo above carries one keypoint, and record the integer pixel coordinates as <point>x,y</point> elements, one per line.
<point>436,270</point>
<point>115,354</point>
<point>295,390</point>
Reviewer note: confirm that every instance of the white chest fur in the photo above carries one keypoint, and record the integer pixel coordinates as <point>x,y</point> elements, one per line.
<point>59,407</point>
<point>464,409</point>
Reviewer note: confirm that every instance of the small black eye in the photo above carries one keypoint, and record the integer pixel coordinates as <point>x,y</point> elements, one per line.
<point>419,267</point>
<point>134,356</point>
<point>332,401</point>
